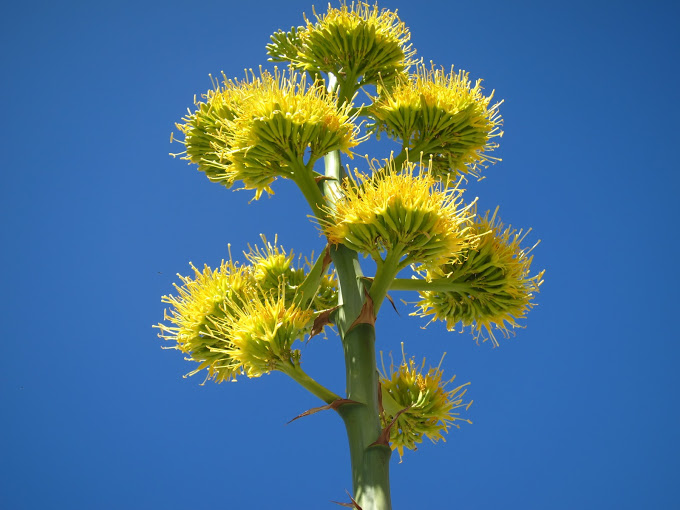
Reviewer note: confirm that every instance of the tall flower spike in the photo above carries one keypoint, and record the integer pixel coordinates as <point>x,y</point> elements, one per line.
<point>200,302</point>
<point>441,115</point>
<point>263,127</point>
<point>353,42</point>
<point>489,288</point>
<point>422,405</point>
<point>401,213</point>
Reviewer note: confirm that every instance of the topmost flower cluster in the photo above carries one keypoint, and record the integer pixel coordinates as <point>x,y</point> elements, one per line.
<point>356,42</point>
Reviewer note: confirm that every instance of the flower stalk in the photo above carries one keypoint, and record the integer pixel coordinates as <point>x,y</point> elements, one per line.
<point>244,320</point>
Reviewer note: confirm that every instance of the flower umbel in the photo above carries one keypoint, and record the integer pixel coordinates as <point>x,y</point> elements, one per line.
<point>241,318</point>
<point>441,115</point>
<point>404,214</point>
<point>489,288</point>
<point>264,127</point>
<point>422,405</point>
<point>352,42</point>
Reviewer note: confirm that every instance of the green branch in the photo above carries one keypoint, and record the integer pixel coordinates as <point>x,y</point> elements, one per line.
<point>295,372</point>
<point>384,276</point>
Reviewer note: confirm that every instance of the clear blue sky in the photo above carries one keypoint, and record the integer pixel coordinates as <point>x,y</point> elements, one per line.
<point>579,410</point>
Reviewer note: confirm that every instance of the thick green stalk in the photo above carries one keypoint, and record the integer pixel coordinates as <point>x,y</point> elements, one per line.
<point>370,461</point>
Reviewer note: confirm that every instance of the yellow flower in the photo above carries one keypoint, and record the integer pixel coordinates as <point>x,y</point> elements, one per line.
<point>422,405</point>
<point>441,115</point>
<point>403,214</point>
<point>352,42</point>
<point>263,332</point>
<point>210,295</point>
<point>489,288</point>
<point>264,127</point>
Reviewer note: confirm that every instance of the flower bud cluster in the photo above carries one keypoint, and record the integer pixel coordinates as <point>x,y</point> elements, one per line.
<point>261,334</point>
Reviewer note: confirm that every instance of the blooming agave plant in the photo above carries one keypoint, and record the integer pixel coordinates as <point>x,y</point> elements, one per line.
<point>407,213</point>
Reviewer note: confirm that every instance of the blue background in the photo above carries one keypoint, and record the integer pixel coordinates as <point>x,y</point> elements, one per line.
<point>579,410</point>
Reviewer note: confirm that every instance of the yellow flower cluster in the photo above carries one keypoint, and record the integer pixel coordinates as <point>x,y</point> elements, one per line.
<point>489,288</point>
<point>260,336</point>
<point>421,404</point>
<point>441,115</point>
<point>200,301</point>
<point>355,42</point>
<point>264,127</point>
<point>403,213</point>
<point>239,319</point>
